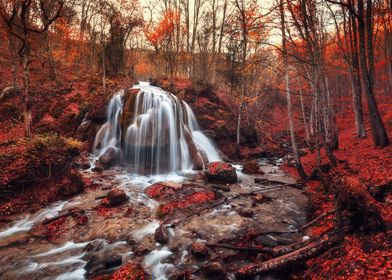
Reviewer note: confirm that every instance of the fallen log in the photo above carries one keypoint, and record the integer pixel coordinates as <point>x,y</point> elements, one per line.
<point>265,250</point>
<point>297,256</point>
<point>357,209</point>
<point>317,219</point>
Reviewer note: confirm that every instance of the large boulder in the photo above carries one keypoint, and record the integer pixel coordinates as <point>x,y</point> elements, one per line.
<point>221,172</point>
<point>73,185</point>
<point>251,167</point>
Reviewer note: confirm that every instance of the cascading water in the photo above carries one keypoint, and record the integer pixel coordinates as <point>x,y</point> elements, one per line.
<point>162,135</point>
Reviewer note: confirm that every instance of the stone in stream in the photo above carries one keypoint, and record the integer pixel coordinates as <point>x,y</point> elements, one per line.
<point>98,167</point>
<point>161,235</point>
<point>214,270</point>
<point>108,158</point>
<point>267,240</point>
<point>116,197</point>
<point>252,167</point>
<point>247,213</point>
<point>262,181</point>
<point>199,250</point>
<point>221,172</point>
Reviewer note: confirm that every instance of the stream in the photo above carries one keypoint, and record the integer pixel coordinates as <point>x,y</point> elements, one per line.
<point>109,240</point>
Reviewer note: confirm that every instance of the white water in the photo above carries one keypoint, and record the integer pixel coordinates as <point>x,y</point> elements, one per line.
<point>29,221</point>
<point>153,263</point>
<point>164,135</point>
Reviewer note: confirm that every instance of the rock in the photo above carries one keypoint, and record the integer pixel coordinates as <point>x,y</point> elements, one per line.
<point>94,246</point>
<point>161,235</point>
<point>260,198</point>
<point>197,158</point>
<point>116,197</point>
<point>74,184</point>
<point>199,250</point>
<point>113,262</point>
<point>214,269</point>
<point>267,240</point>
<point>262,181</point>
<point>108,158</point>
<point>252,167</point>
<point>162,190</point>
<point>98,167</point>
<point>221,172</point>
<point>131,271</point>
<point>247,213</point>
<point>221,188</point>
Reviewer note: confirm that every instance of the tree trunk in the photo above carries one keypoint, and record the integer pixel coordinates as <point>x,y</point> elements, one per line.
<point>26,97</point>
<point>357,95</point>
<point>307,135</point>
<point>380,137</point>
<point>298,164</point>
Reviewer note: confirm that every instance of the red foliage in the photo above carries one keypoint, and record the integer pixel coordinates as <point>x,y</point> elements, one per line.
<point>130,271</point>
<point>195,198</point>
<point>54,229</point>
<point>162,191</point>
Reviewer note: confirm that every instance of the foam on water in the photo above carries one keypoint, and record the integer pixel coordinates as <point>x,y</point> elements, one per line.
<point>153,263</point>
<point>148,229</point>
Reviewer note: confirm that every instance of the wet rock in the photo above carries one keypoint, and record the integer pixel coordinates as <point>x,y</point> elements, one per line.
<point>140,250</point>
<point>199,250</point>
<point>214,270</point>
<point>131,271</point>
<point>221,172</point>
<point>267,240</point>
<point>94,246</point>
<point>261,181</point>
<point>252,167</point>
<point>260,198</point>
<point>162,190</point>
<point>221,188</point>
<point>116,197</point>
<point>98,167</point>
<point>113,262</point>
<point>108,158</point>
<point>161,235</point>
<point>247,213</point>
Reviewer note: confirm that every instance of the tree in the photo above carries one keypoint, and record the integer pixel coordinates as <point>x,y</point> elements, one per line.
<point>364,18</point>
<point>23,18</point>
<point>298,164</point>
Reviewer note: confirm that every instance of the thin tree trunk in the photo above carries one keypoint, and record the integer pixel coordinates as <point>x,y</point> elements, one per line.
<point>307,135</point>
<point>298,164</point>
<point>26,105</point>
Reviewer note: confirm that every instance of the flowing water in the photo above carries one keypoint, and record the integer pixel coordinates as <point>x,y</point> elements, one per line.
<point>160,137</point>
<point>107,241</point>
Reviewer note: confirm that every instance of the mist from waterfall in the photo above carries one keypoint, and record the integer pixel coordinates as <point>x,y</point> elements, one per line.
<point>163,136</point>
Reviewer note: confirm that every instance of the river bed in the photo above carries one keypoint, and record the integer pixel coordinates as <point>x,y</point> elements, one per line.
<point>109,238</point>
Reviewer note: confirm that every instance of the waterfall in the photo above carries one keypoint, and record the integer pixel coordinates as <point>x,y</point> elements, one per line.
<point>162,135</point>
